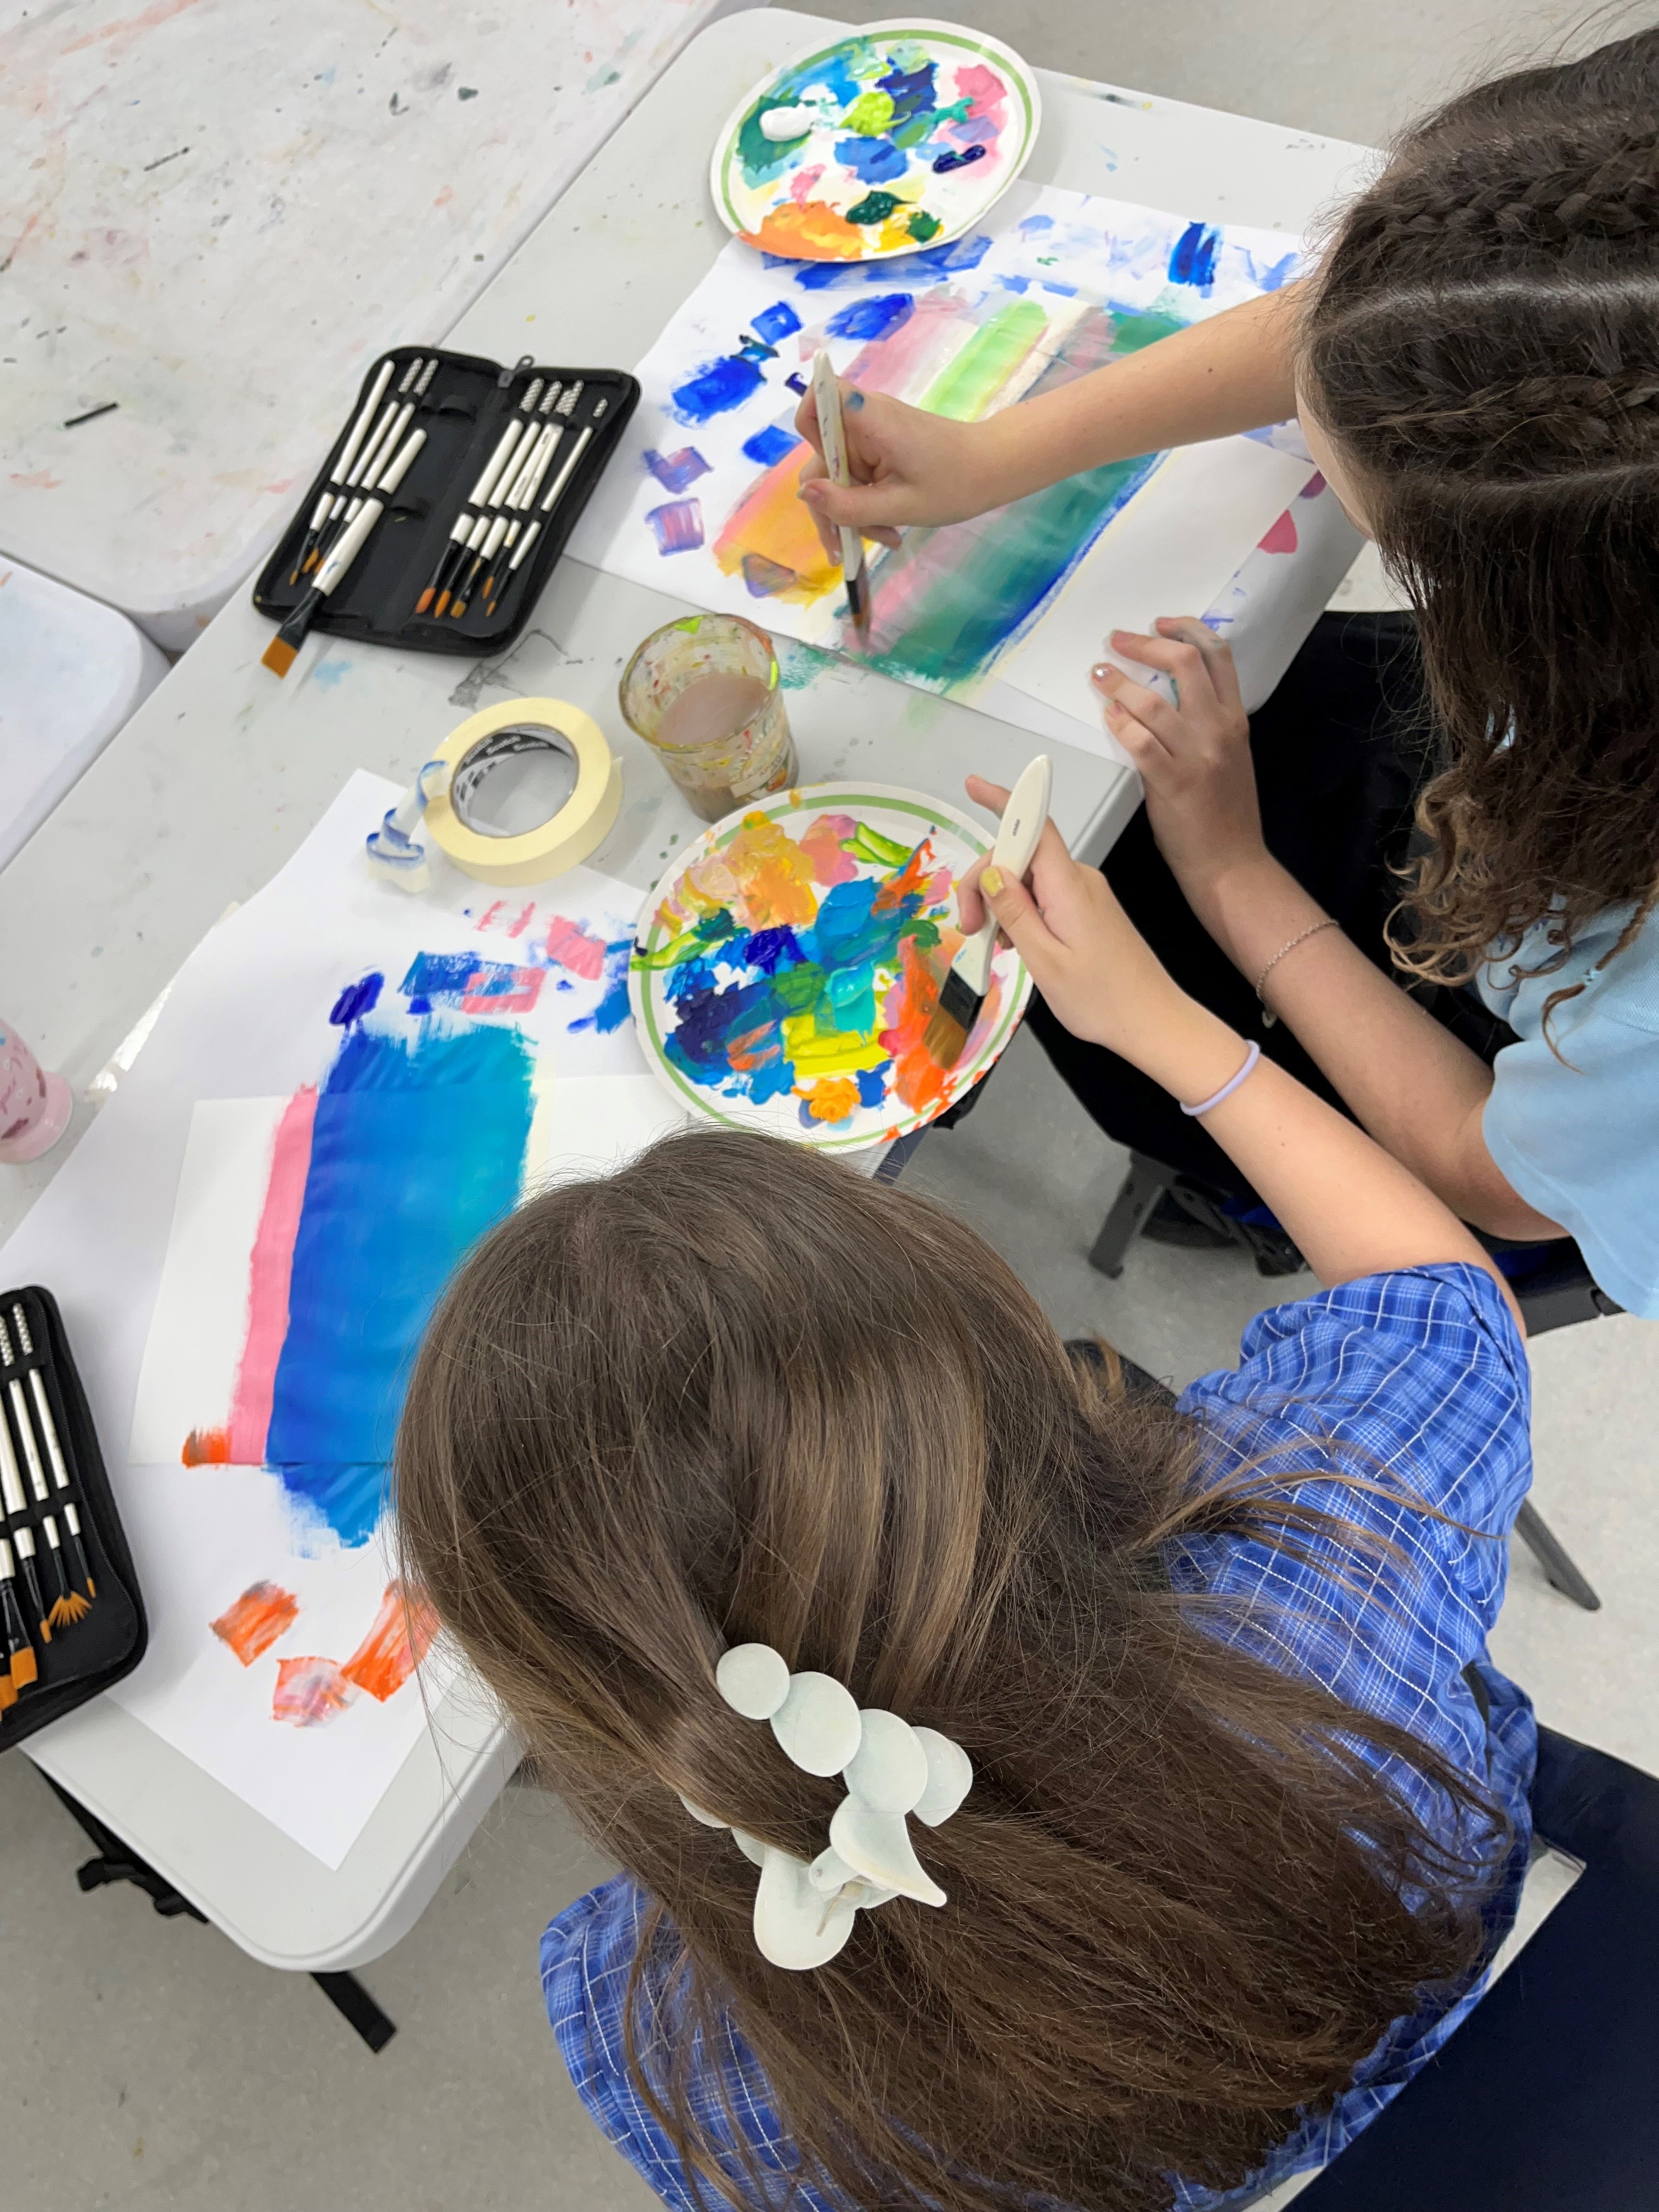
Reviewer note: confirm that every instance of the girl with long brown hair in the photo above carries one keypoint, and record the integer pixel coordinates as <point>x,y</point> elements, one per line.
<point>1475,363</point>
<point>1027,1792</point>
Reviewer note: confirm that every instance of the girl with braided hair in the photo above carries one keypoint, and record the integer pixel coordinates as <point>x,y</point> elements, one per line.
<point>1475,363</point>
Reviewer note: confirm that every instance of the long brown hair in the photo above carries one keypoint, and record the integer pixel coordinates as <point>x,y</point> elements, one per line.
<point>1482,342</point>
<point>736,1393</point>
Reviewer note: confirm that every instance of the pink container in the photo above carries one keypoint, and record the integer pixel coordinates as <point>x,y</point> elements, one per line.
<point>35,1106</point>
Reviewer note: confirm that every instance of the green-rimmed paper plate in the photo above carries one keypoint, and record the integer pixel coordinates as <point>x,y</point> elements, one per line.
<point>900,137</point>
<point>786,967</point>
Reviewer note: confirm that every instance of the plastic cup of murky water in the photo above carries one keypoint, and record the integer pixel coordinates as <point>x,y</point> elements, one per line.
<point>704,695</point>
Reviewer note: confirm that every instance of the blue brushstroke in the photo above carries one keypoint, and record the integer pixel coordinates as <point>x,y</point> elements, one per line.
<point>612,1009</point>
<point>910,90</point>
<point>444,978</point>
<point>356,999</point>
<point>415,1151</point>
<point>1276,275</point>
<point>1030,224</point>
<point>834,71</point>
<point>1193,261</point>
<point>797,383</point>
<point>951,159</point>
<point>674,471</point>
<point>1014,284</point>
<point>875,161</point>
<point>716,388</point>
<point>776,322</point>
<point>873,1084</point>
<point>769,446</point>
<point>951,260</point>
<point>873,319</point>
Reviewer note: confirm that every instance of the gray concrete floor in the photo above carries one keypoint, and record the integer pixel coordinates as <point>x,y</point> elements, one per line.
<point>153,2065</point>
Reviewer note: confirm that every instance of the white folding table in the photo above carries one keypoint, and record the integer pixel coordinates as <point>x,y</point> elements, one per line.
<point>220,774</point>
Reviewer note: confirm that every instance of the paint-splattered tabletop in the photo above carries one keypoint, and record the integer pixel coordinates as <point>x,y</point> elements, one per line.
<point>900,137</point>
<point>787,967</point>
<point>214,212</point>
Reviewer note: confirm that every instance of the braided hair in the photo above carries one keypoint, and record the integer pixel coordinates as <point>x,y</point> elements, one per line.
<point>1482,344</point>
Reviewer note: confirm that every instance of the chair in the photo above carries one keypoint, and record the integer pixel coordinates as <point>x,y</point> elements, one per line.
<point>1554,1292</point>
<point>1542,2099</point>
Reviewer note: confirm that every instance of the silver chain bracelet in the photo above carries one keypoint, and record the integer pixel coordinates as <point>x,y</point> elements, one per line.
<point>1268,1017</point>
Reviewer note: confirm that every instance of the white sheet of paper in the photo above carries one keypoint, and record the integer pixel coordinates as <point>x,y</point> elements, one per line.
<point>245,1023</point>
<point>592,1125</point>
<point>1170,552</point>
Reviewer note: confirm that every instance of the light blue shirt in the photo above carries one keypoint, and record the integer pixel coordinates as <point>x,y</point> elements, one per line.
<point>1578,1136</point>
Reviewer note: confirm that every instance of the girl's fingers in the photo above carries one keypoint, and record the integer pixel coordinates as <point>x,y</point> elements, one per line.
<point>1185,662</point>
<point>1155,715</point>
<point>1020,922</point>
<point>984,793</point>
<point>1218,655</point>
<point>1148,754</point>
<point>806,423</point>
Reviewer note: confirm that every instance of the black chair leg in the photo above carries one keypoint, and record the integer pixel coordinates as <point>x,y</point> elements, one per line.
<point>1536,1534</point>
<point>1145,1184</point>
<point>348,1996</point>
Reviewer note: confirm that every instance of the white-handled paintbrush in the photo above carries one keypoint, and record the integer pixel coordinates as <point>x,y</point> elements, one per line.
<point>963,991</point>
<point>826,392</point>
<point>342,468</point>
<point>278,655</point>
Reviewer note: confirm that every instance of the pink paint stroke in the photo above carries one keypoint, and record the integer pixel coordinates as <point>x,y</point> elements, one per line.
<point>269,1271</point>
<point>482,995</point>
<point>569,944</point>
<point>1281,539</point>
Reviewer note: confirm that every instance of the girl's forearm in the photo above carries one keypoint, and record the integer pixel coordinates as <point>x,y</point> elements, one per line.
<point>1418,1089</point>
<point>1351,1209</point>
<point>1233,371</point>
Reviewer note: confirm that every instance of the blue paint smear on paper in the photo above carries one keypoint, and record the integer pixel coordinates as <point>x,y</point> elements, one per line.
<point>716,388</point>
<point>676,526</point>
<point>612,1009</point>
<point>444,978</point>
<point>1192,260</point>
<point>768,447</point>
<point>776,322</point>
<point>674,471</point>
<point>873,319</point>
<point>356,999</point>
<point>416,1150</point>
<point>1276,273</point>
<point>874,161</point>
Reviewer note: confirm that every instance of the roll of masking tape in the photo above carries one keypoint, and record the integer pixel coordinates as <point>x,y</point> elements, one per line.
<point>533,788</point>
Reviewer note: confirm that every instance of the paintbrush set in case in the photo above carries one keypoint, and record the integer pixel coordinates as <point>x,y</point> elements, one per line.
<point>444,503</point>
<point>71,1619</point>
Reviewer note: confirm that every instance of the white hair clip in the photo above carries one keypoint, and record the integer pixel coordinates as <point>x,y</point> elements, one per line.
<point>804,1914</point>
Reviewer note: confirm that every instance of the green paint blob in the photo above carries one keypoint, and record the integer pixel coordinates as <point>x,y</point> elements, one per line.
<point>966,387</point>
<point>874,207</point>
<point>923,225</point>
<point>763,159</point>
<point>870,113</point>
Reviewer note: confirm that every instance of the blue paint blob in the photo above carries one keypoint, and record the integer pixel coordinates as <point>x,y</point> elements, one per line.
<point>776,322</point>
<point>951,260</point>
<point>612,1009</point>
<point>1193,261</point>
<point>415,1151</point>
<point>873,1084</point>
<point>717,387</point>
<point>911,91</point>
<point>356,999</point>
<point>768,447</point>
<point>674,471</point>
<point>875,161</point>
<point>1032,223</point>
<point>676,526</point>
<point>444,978</point>
<point>950,159</point>
<point>873,318</point>
<point>796,384</point>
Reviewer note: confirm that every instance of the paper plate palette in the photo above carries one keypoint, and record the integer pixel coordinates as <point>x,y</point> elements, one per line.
<point>898,137</point>
<point>787,967</point>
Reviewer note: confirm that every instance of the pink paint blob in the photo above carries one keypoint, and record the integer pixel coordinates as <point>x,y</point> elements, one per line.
<point>801,184</point>
<point>569,944</point>
<point>309,1692</point>
<point>269,1272</point>
<point>988,92</point>
<point>1281,539</point>
<point>35,1105</point>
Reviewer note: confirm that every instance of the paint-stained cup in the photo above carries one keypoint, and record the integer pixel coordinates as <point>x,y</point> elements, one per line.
<point>704,695</point>
<point>35,1104</point>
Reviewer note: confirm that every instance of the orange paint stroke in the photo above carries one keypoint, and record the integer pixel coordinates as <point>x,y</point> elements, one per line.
<point>37,480</point>
<point>918,1078</point>
<point>812,232</point>
<point>772,521</point>
<point>398,1640</point>
<point>131,27</point>
<point>914,875</point>
<point>263,1612</point>
<point>309,1692</point>
<point>207,1448</point>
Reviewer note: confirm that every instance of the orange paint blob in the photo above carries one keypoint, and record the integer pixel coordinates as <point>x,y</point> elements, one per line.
<point>263,1612</point>
<point>774,522</point>
<point>914,875</point>
<point>812,232</point>
<point>833,1099</point>
<point>397,1641</point>
<point>207,1448</point>
<point>918,1078</point>
<point>774,877</point>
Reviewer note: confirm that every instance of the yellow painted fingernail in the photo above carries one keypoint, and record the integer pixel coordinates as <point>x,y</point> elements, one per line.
<point>991,883</point>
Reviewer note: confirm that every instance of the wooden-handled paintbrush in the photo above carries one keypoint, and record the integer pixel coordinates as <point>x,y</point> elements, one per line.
<point>964,987</point>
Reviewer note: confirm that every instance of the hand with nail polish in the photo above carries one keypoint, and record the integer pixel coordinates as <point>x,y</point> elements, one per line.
<point>910,467</point>
<point>1194,757</point>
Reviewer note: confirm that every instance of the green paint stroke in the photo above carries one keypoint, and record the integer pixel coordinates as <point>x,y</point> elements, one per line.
<point>966,387</point>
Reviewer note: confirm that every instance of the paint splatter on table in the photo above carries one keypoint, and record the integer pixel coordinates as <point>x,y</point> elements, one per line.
<point>786,975</point>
